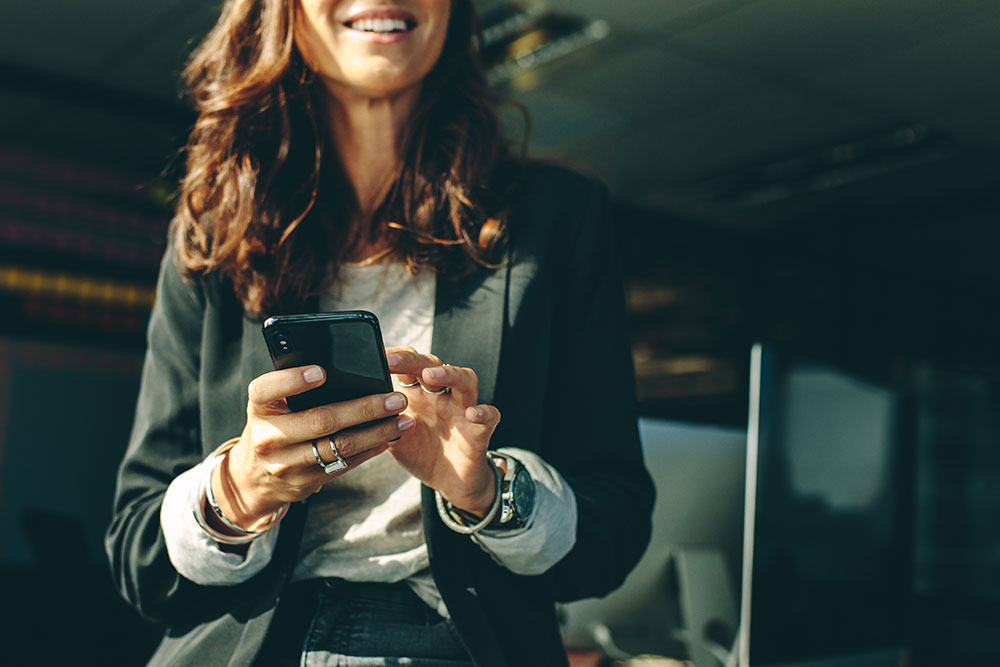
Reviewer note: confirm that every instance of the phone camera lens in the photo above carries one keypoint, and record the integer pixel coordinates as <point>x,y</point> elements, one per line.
<point>281,341</point>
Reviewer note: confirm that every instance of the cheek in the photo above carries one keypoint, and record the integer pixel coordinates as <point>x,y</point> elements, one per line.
<point>323,52</point>
<point>311,37</point>
<point>435,44</point>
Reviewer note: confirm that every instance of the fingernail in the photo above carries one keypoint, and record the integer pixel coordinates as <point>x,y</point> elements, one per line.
<point>436,373</point>
<point>395,402</point>
<point>479,412</point>
<point>312,374</point>
<point>405,423</point>
<point>392,358</point>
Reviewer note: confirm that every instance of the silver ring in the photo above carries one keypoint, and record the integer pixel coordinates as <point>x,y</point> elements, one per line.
<point>410,384</point>
<point>338,464</point>
<point>442,390</point>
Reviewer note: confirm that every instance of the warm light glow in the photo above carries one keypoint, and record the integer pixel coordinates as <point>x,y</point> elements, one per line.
<point>81,288</point>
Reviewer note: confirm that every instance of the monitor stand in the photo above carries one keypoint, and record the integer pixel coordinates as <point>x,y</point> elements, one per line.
<point>708,605</point>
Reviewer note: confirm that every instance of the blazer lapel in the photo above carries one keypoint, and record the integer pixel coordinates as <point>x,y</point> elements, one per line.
<point>468,324</point>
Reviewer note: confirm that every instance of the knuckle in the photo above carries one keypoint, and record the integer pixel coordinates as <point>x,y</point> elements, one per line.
<point>322,421</point>
<point>279,470</point>
<point>434,358</point>
<point>254,391</point>
<point>263,440</point>
<point>262,448</point>
<point>370,409</point>
<point>405,353</point>
<point>344,443</point>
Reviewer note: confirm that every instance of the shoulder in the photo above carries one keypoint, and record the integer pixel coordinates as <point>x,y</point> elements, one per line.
<point>555,218</point>
<point>538,182</point>
<point>197,291</point>
<point>548,198</point>
<point>192,304</point>
<point>175,290</point>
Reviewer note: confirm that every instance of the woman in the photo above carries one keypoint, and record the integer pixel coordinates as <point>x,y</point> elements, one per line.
<point>347,154</point>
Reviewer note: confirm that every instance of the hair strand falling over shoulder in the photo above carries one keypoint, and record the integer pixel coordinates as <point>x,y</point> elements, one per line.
<point>264,201</point>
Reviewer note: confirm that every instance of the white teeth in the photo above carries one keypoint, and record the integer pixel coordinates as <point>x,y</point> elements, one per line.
<point>379,25</point>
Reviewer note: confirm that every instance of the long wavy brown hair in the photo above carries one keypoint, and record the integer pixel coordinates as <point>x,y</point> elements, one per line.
<point>265,200</point>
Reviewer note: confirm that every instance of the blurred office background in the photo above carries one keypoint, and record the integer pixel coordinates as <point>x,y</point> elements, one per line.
<point>820,174</point>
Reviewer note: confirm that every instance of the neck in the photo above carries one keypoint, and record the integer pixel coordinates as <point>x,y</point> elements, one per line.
<point>366,132</point>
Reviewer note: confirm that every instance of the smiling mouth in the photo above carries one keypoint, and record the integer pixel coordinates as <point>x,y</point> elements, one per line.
<point>381,26</point>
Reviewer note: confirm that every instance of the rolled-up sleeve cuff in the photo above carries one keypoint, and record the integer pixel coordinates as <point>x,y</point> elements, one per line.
<point>550,532</point>
<point>193,553</point>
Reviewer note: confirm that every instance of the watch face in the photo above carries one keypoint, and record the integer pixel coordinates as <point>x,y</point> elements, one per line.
<point>524,494</point>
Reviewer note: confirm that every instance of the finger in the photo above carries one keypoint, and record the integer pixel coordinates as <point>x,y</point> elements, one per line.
<point>280,431</point>
<point>405,382</point>
<point>299,482</point>
<point>352,463</point>
<point>355,461</point>
<point>480,422</point>
<point>319,477</point>
<point>464,382</point>
<point>483,415</point>
<point>407,363</point>
<point>360,439</point>
<point>267,392</point>
<point>394,359</point>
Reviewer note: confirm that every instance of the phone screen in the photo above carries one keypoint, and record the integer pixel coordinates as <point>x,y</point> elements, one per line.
<point>348,345</point>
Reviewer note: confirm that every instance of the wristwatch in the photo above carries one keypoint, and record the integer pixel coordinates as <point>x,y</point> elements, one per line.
<point>517,493</point>
<point>512,507</point>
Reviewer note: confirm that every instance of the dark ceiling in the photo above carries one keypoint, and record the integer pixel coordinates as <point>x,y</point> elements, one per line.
<point>720,110</point>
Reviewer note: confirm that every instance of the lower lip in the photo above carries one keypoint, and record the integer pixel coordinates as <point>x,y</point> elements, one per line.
<point>380,37</point>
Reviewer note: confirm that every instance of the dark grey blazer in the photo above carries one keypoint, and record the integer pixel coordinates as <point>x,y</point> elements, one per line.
<point>546,334</point>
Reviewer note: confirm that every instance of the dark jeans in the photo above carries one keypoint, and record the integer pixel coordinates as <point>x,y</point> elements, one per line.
<point>361,624</point>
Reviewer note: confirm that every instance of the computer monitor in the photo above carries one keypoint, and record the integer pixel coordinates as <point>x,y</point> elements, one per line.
<point>826,564</point>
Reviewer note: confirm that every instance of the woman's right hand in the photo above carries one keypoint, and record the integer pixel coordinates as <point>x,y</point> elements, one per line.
<point>273,463</point>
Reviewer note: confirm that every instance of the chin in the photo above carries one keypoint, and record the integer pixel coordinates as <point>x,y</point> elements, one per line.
<point>383,84</point>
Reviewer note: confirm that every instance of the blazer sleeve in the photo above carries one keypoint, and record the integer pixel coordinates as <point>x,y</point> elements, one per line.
<point>165,441</point>
<point>590,431</point>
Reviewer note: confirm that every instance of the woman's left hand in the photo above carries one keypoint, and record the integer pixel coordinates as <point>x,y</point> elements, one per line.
<point>446,448</point>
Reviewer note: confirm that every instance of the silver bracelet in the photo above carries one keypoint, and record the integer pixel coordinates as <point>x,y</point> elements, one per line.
<point>205,493</point>
<point>216,536</point>
<point>198,510</point>
<point>214,504</point>
<point>445,508</point>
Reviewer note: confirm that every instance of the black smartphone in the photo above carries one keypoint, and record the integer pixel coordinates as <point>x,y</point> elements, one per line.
<point>347,344</point>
